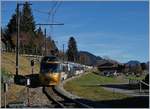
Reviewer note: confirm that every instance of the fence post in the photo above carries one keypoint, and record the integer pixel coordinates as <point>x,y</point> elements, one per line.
<point>28,91</point>
<point>5,93</point>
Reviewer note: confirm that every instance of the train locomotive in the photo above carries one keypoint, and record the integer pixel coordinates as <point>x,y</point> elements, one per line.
<point>50,71</point>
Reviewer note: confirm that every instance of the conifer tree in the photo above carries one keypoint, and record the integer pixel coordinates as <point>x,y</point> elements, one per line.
<point>12,28</point>
<point>27,20</point>
<point>72,51</point>
<point>12,25</point>
<point>28,25</point>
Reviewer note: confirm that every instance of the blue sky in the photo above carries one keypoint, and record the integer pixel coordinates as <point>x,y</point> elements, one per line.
<point>118,30</point>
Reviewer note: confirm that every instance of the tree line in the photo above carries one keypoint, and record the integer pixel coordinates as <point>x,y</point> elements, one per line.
<point>32,40</point>
<point>137,69</point>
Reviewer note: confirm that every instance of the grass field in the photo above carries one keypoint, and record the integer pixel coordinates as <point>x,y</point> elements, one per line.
<point>87,86</point>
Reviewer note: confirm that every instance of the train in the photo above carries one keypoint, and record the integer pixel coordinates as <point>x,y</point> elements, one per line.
<point>53,70</point>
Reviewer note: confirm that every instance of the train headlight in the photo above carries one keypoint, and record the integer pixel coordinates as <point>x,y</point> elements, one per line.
<point>55,78</point>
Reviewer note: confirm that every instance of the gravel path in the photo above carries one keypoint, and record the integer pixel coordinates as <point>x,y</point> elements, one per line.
<point>37,97</point>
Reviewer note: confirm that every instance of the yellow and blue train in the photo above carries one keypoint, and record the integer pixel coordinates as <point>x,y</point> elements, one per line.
<point>50,70</point>
<point>53,70</point>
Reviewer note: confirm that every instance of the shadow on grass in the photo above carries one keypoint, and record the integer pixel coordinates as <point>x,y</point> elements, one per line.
<point>122,86</point>
<point>118,86</point>
<point>131,102</point>
<point>22,80</point>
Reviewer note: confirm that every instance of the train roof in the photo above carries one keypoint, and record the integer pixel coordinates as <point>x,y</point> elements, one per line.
<point>50,58</point>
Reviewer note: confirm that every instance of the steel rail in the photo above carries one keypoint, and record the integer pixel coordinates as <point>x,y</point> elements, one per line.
<point>65,102</point>
<point>50,96</point>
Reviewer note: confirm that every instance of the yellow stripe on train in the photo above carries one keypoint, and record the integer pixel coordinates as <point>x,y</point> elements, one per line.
<point>50,78</point>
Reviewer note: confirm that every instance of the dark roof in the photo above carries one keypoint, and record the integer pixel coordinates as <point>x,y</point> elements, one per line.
<point>108,65</point>
<point>49,58</point>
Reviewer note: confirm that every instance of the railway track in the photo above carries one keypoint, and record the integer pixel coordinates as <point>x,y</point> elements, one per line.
<point>60,101</point>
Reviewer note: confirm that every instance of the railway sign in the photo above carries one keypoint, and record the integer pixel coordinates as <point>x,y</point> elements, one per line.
<point>28,81</point>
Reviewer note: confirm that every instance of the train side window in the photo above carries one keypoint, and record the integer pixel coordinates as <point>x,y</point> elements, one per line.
<point>61,68</point>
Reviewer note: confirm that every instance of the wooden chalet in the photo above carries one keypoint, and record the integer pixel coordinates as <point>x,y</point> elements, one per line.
<point>109,69</point>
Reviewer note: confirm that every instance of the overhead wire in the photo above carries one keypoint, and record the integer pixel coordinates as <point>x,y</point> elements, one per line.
<point>39,11</point>
<point>53,14</point>
<point>50,17</point>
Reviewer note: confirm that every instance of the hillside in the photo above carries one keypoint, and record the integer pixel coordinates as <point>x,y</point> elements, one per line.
<point>88,58</point>
<point>8,63</point>
<point>133,63</point>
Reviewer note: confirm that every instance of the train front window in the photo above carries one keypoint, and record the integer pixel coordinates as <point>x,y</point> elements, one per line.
<point>46,67</point>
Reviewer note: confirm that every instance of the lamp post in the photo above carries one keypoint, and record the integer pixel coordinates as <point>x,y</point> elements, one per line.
<point>5,93</point>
